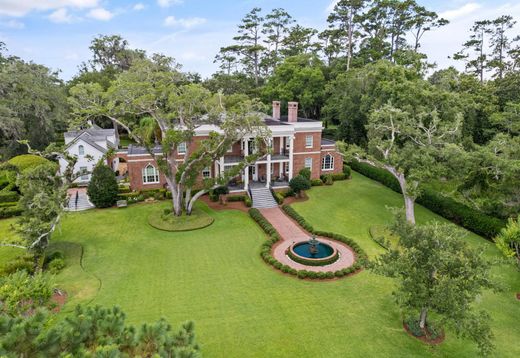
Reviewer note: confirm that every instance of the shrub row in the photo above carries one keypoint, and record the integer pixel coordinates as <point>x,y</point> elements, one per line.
<point>232,198</point>
<point>266,248</point>
<point>10,211</point>
<point>9,203</point>
<point>461,214</point>
<point>248,201</point>
<point>9,196</point>
<point>304,261</point>
<point>278,196</point>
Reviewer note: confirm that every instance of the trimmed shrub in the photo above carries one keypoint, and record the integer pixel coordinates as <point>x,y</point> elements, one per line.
<point>306,173</point>
<point>248,201</point>
<point>9,203</point>
<point>25,263</point>
<point>278,197</point>
<point>102,189</point>
<point>299,183</point>
<point>339,176</point>
<point>26,161</point>
<point>56,265</point>
<point>347,171</point>
<point>9,197</point>
<point>316,182</point>
<point>10,211</point>
<point>327,179</point>
<point>233,198</point>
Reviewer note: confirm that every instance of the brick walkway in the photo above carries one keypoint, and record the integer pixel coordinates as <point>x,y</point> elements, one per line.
<point>292,233</point>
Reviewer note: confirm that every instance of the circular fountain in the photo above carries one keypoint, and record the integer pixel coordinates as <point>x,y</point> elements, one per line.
<point>313,252</point>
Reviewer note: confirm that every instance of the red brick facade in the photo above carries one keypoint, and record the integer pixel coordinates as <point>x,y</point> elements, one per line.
<point>314,154</point>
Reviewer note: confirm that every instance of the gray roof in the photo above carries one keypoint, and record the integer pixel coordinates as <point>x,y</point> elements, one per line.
<point>325,141</point>
<point>299,119</point>
<point>273,122</point>
<point>91,136</point>
<point>90,140</point>
<point>136,150</point>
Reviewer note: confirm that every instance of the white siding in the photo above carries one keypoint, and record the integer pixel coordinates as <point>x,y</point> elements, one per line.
<point>82,159</point>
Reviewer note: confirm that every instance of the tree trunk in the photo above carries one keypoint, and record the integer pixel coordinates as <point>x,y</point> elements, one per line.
<point>189,207</point>
<point>422,319</point>
<point>409,206</point>
<point>187,199</point>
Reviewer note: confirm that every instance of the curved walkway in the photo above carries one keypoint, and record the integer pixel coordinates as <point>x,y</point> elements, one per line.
<point>292,232</point>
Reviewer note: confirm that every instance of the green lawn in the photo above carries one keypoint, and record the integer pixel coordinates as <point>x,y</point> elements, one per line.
<point>7,233</point>
<point>242,307</point>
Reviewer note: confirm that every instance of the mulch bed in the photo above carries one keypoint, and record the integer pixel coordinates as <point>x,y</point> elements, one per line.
<point>58,298</point>
<point>425,338</point>
<point>232,205</point>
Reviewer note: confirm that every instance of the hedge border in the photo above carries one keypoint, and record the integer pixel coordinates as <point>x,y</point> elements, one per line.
<point>450,209</point>
<point>307,262</point>
<point>274,237</point>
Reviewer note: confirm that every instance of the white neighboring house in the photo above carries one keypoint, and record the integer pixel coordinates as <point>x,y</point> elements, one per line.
<point>89,145</point>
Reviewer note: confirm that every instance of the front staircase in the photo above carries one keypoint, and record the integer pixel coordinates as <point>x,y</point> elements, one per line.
<point>78,201</point>
<point>263,198</point>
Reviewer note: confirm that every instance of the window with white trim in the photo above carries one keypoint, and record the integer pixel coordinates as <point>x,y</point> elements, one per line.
<point>150,174</point>
<point>308,163</point>
<point>83,171</point>
<point>181,148</point>
<point>206,173</point>
<point>81,150</point>
<point>327,162</point>
<point>309,141</point>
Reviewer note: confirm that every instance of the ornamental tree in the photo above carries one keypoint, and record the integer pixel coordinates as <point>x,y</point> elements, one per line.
<point>438,273</point>
<point>299,183</point>
<point>152,103</point>
<point>102,189</point>
<point>410,143</point>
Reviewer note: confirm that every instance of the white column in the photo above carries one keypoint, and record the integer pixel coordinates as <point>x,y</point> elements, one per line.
<point>246,147</point>
<point>221,164</point>
<point>281,144</point>
<point>291,156</point>
<point>268,168</point>
<point>246,177</point>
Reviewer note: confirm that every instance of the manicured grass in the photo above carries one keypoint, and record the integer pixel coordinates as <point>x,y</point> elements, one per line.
<point>242,307</point>
<point>7,234</point>
<point>168,222</point>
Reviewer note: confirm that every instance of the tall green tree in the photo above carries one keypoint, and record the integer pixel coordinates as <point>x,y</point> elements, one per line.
<point>299,41</point>
<point>275,28</point>
<point>299,78</point>
<point>249,39</point>
<point>508,240</point>
<point>344,19</point>
<point>474,51</point>
<point>32,105</point>
<point>500,44</point>
<point>437,273</point>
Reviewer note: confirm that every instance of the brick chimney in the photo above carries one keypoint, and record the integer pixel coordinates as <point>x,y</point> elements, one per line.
<point>292,115</point>
<point>276,110</point>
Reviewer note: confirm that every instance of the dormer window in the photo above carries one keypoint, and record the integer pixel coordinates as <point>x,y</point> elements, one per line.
<point>81,150</point>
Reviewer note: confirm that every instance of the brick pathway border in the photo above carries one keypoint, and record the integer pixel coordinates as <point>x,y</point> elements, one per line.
<point>291,232</point>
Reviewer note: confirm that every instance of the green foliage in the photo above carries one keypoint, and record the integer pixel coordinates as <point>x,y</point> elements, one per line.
<point>299,78</point>
<point>446,207</point>
<point>20,292</point>
<point>56,265</point>
<point>327,179</point>
<point>43,197</point>
<point>437,272</point>
<point>299,183</point>
<point>20,263</point>
<point>347,171</point>
<point>248,201</point>
<point>27,161</point>
<point>10,211</point>
<point>508,240</point>
<point>93,331</point>
<point>316,182</point>
<point>339,176</point>
<point>102,189</point>
<point>306,173</point>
